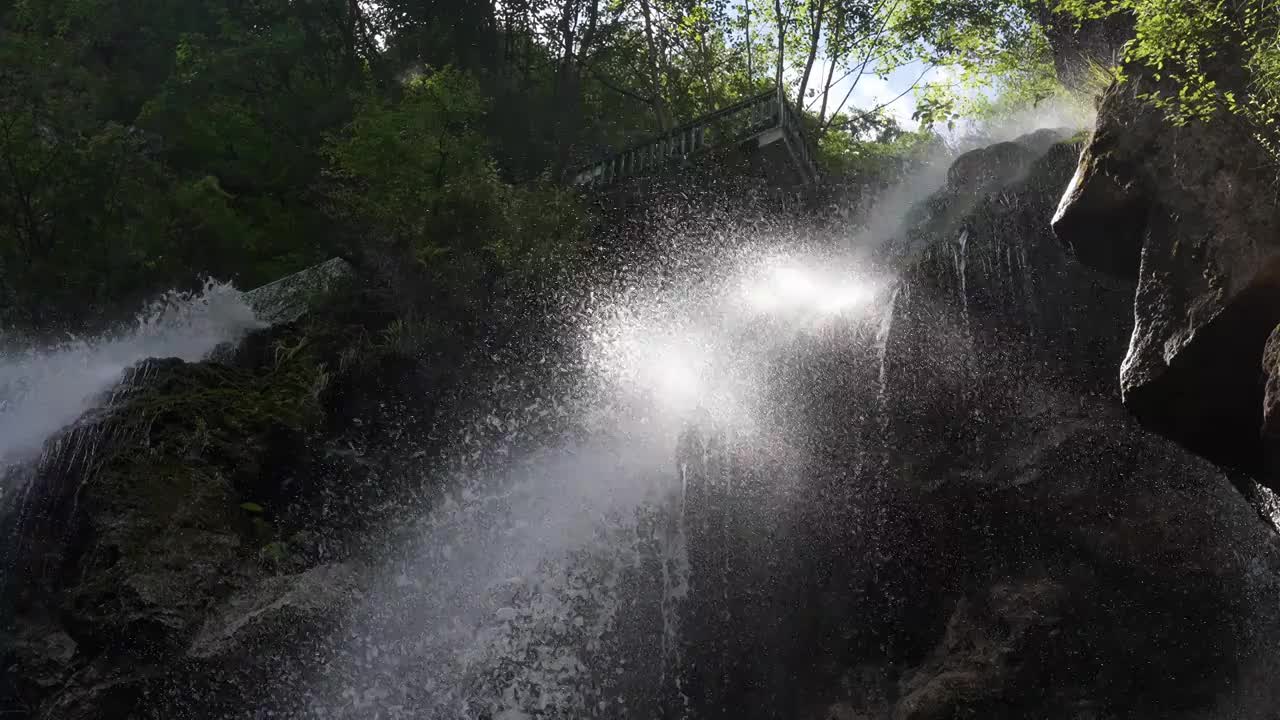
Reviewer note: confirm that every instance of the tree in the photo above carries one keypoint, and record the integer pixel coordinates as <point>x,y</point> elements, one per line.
<point>146,142</point>
<point>414,176</point>
<point>1206,58</point>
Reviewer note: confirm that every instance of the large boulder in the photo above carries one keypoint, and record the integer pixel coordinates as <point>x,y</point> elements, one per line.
<point>175,547</point>
<point>1185,211</point>
<point>1089,549</point>
<point>143,518</point>
<point>1063,546</point>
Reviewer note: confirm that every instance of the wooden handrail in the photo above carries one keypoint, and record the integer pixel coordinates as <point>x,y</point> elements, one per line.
<point>765,112</point>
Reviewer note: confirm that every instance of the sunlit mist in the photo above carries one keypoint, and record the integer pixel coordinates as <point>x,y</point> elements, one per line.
<point>784,286</point>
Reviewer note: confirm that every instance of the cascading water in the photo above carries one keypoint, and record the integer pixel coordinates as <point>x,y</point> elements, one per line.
<point>44,390</point>
<point>561,587</point>
<point>769,494</point>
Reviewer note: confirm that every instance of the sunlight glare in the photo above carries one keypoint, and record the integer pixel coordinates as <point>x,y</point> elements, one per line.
<point>791,288</point>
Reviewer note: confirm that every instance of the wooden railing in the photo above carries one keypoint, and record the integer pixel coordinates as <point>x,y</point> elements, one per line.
<point>798,144</point>
<point>749,119</point>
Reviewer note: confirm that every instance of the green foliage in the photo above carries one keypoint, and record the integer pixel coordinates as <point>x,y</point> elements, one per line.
<point>407,165</point>
<point>990,48</point>
<point>144,143</point>
<point>851,154</point>
<point>1206,58</point>
<point>77,209</point>
<point>417,175</point>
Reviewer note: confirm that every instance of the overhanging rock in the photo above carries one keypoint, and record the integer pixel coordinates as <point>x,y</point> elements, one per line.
<point>1185,212</point>
<point>293,296</point>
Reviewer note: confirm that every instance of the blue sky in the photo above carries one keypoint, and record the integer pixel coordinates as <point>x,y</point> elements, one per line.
<point>872,91</point>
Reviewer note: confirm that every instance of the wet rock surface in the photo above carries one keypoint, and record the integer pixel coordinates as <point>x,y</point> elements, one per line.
<point>1184,211</point>
<point>998,538</point>
<point>183,543</point>
<point>1271,406</point>
<point>1097,569</point>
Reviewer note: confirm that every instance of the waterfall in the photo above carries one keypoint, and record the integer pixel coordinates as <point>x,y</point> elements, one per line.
<point>962,259</point>
<point>563,585</point>
<point>675,590</point>
<point>883,329</point>
<point>43,390</point>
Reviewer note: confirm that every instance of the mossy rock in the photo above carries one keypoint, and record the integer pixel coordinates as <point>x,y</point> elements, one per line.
<point>159,519</point>
<point>198,483</point>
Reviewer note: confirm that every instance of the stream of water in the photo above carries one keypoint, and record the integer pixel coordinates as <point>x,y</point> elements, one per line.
<point>562,588</point>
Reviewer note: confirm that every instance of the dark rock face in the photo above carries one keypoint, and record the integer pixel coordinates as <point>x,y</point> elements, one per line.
<point>1101,221</point>
<point>1000,539</point>
<point>981,530</point>
<point>976,528</point>
<point>1271,406</point>
<point>131,547</point>
<point>1186,213</point>
<point>1097,575</point>
<point>185,543</point>
<point>1097,570</point>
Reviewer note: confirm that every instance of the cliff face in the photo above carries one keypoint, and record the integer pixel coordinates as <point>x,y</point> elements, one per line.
<point>1189,214</point>
<point>986,532</point>
<point>1098,569</point>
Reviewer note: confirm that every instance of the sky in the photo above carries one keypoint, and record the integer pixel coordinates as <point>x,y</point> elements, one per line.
<point>871,90</point>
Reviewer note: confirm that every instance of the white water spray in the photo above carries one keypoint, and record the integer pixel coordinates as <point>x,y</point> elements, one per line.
<point>44,390</point>
<point>556,588</point>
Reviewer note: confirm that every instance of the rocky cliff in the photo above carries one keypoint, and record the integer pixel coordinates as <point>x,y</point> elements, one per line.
<point>1188,212</point>
<point>208,523</point>
<point>1095,569</point>
<point>986,531</point>
<point>1021,489</point>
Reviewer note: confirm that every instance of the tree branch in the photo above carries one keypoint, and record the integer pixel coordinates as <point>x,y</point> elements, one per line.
<point>883,105</point>
<point>609,84</point>
<point>866,58</point>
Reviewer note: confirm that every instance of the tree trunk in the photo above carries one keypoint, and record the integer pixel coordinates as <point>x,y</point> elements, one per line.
<point>565,90</point>
<point>655,83</point>
<point>832,61</point>
<point>782,45</point>
<point>569,95</point>
<point>815,35</point>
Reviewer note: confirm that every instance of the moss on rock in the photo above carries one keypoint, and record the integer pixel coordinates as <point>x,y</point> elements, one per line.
<point>160,524</point>
<point>182,491</point>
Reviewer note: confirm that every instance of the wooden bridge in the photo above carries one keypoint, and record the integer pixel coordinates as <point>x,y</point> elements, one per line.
<point>758,122</point>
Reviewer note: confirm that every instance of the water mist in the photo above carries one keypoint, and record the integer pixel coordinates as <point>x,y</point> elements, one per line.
<point>557,585</point>
<point>42,390</point>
